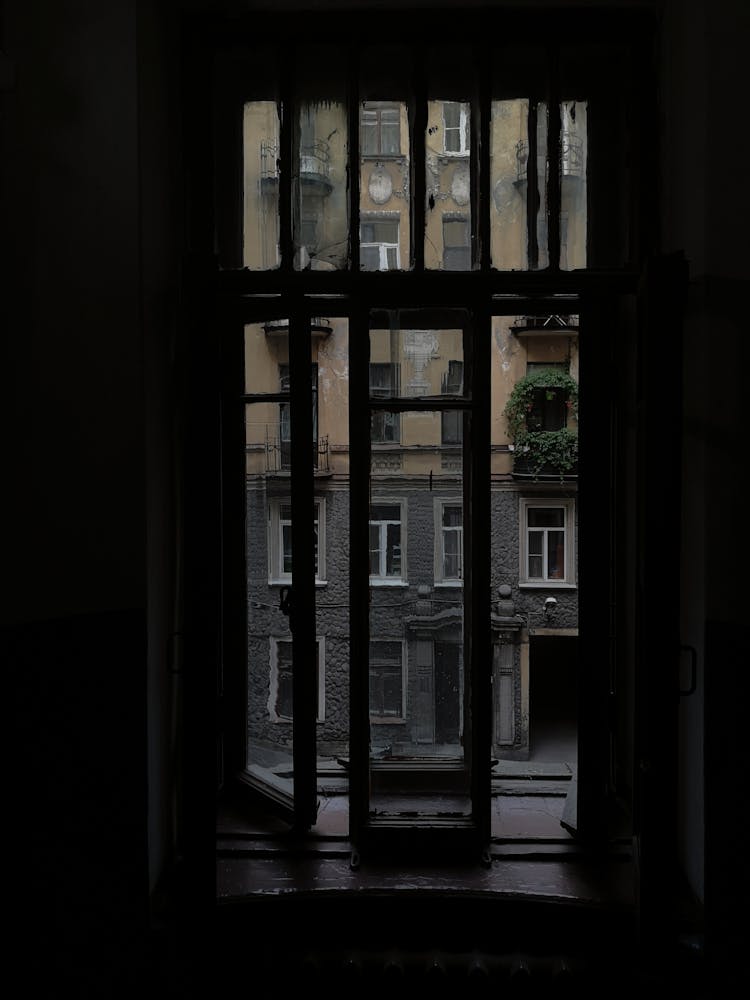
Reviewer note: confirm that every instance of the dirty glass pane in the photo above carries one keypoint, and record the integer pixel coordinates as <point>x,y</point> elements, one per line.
<point>268,526</point>
<point>418,694</point>
<point>534,662</point>
<point>448,186</point>
<point>321,222</point>
<point>330,353</point>
<point>573,166</point>
<point>509,154</point>
<point>260,232</point>
<point>269,429</point>
<point>384,186</point>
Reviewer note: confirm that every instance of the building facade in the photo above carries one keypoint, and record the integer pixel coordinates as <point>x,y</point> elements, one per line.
<point>416,602</point>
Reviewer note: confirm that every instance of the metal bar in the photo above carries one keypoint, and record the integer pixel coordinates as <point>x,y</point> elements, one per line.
<point>554,163</point>
<point>302,616</point>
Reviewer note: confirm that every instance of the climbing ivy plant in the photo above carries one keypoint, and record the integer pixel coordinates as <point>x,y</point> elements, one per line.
<point>553,449</point>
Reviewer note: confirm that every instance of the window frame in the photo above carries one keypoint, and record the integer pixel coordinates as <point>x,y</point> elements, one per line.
<point>276,574</point>
<point>403,660</point>
<point>463,127</point>
<point>274,642</point>
<point>568,506</point>
<point>385,580</point>
<point>481,287</point>
<point>378,107</point>
<point>382,246</point>
<point>441,578</point>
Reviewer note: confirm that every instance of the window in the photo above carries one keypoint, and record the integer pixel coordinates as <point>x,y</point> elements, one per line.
<point>456,243</point>
<point>386,681</point>
<point>380,125</point>
<point>427,439</point>
<point>385,426</point>
<point>280,707</point>
<point>549,410</point>
<point>452,421</point>
<point>280,541</point>
<point>547,542</point>
<point>386,546</point>
<point>449,541</point>
<point>456,119</point>
<point>379,249</point>
<point>285,423</point>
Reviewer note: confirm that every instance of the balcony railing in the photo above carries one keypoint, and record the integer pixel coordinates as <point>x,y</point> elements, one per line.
<point>571,156</point>
<point>314,162</point>
<point>279,452</point>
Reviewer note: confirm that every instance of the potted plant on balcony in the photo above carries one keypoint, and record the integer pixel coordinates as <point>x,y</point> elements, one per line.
<point>539,411</point>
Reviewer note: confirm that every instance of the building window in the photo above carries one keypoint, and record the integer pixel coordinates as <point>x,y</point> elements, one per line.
<point>284,443</point>
<point>452,421</point>
<point>449,541</point>
<point>456,243</point>
<point>280,540</point>
<point>549,409</point>
<point>387,564</point>
<point>385,427</point>
<point>379,249</point>
<point>387,686</point>
<point>280,707</point>
<point>547,542</point>
<point>456,118</point>
<point>380,132</point>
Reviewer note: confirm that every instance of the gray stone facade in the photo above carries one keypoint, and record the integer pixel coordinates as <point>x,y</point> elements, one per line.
<point>423,613</point>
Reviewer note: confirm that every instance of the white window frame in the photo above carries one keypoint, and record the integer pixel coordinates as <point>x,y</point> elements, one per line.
<point>464,119</point>
<point>273,679</point>
<point>383,247</point>
<point>378,579</point>
<point>441,579</point>
<point>377,108</point>
<point>568,506</point>
<point>276,522</point>
<point>390,719</point>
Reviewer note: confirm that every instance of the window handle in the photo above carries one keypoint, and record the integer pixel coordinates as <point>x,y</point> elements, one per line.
<point>690,689</point>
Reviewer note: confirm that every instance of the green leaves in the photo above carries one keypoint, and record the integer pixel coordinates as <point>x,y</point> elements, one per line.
<point>554,449</point>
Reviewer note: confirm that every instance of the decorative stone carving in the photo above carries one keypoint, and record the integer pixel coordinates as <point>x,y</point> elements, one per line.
<point>461,185</point>
<point>380,185</point>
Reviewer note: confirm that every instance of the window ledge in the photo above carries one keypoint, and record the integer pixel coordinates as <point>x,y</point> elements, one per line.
<point>388,583</point>
<point>547,585</point>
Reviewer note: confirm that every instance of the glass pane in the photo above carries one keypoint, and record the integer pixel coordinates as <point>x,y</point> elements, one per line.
<point>268,527</point>
<point>573,167</point>
<point>321,224</point>
<point>269,430</point>
<point>384,186</point>
<point>535,664</point>
<point>260,146</point>
<point>418,691</point>
<point>509,155</point>
<point>546,517</point>
<point>448,186</point>
<point>555,555</point>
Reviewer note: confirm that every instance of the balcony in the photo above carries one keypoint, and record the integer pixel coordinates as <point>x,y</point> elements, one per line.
<point>314,166</point>
<point>571,156</point>
<point>526,326</point>
<point>320,328</point>
<point>278,451</point>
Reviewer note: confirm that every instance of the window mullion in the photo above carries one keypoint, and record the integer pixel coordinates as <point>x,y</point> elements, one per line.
<point>419,164</point>
<point>554,165</point>
<point>302,617</point>
<point>353,169</point>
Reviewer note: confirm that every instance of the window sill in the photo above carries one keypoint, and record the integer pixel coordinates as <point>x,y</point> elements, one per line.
<point>288,583</point>
<point>375,582</point>
<point>454,584</point>
<point>547,585</point>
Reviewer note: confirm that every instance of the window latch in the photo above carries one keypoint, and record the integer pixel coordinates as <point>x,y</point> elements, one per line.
<point>693,682</point>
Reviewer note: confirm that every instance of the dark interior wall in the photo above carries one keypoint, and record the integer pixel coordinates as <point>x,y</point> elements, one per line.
<point>90,236</point>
